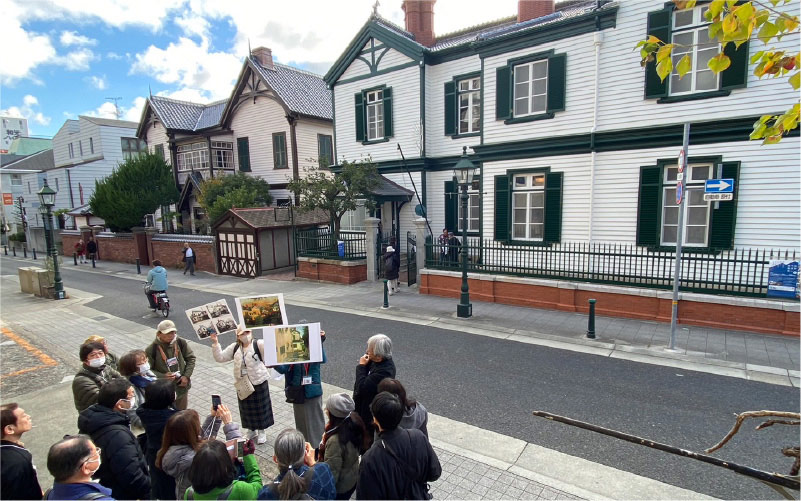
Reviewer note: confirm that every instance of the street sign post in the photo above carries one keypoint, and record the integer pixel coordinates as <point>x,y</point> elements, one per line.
<point>674,314</point>
<point>679,192</point>
<point>719,186</point>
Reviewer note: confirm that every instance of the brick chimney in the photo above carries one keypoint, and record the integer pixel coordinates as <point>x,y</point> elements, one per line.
<point>420,20</point>
<point>263,56</point>
<point>532,9</point>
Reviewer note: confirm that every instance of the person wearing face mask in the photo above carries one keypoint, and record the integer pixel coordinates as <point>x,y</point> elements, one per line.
<point>72,462</point>
<point>170,357</point>
<point>123,467</point>
<point>134,366</point>
<point>251,380</point>
<point>18,478</point>
<point>92,376</point>
<point>111,359</point>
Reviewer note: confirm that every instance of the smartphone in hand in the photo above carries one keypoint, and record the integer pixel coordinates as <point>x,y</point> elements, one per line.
<point>240,448</point>
<point>215,401</point>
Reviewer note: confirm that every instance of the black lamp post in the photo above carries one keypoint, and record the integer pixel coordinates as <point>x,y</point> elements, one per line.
<point>47,199</point>
<point>463,171</point>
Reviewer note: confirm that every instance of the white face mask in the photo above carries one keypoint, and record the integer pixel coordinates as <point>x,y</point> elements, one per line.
<point>131,403</point>
<point>144,367</point>
<point>97,362</point>
<point>174,340</point>
<point>245,339</point>
<point>95,470</point>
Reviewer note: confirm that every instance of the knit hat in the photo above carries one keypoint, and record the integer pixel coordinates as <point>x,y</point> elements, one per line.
<point>167,326</point>
<point>340,405</point>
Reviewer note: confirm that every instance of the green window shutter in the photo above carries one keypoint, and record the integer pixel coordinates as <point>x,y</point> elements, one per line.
<point>388,112</point>
<point>279,151</point>
<point>361,131</point>
<point>325,150</point>
<point>451,206</point>
<point>659,26</point>
<point>557,77</point>
<point>649,207</point>
<point>736,75</point>
<point>243,149</point>
<point>502,208</point>
<point>450,109</point>
<point>721,228</point>
<point>503,93</point>
<point>553,207</point>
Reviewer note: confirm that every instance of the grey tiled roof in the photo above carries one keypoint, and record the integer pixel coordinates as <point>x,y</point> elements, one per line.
<point>276,217</point>
<point>211,114</point>
<point>41,161</point>
<point>183,115</point>
<point>109,122</point>
<point>303,92</point>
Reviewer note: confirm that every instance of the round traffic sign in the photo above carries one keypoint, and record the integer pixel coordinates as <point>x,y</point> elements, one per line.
<point>679,192</point>
<point>682,160</point>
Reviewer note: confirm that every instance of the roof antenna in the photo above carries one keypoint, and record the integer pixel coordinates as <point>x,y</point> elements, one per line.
<point>149,90</point>
<point>250,52</point>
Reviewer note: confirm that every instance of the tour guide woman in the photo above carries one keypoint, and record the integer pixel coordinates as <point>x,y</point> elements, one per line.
<point>251,380</point>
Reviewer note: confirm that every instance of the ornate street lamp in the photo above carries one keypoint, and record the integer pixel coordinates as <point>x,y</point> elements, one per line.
<point>463,172</point>
<point>47,199</point>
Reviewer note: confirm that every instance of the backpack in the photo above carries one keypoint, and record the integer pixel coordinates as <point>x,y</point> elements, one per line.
<point>89,495</point>
<point>256,349</point>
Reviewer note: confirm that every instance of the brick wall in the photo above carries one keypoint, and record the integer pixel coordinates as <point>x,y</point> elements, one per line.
<point>327,270</point>
<point>117,248</point>
<point>170,255</point>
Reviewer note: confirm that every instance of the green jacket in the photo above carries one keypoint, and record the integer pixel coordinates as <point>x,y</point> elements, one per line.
<point>186,361</point>
<point>86,385</point>
<point>243,489</point>
<point>343,461</point>
<point>111,361</point>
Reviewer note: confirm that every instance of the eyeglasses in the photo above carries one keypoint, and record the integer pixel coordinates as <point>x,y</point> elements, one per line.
<point>97,450</point>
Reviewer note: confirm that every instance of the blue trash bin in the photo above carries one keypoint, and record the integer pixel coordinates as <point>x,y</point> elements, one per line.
<point>341,248</point>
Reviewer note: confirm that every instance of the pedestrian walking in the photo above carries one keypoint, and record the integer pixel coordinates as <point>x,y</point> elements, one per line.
<point>80,251</point>
<point>375,365</point>
<point>72,462</point>
<point>122,464</point>
<point>18,479</point>
<point>183,436</point>
<point>251,380</point>
<point>188,259</point>
<point>154,414</point>
<point>303,386</point>
<point>345,439</point>
<point>91,249</point>
<point>213,475</point>
<point>300,475</point>
<point>134,367</point>
<point>415,416</point>
<point>111,359</point>
<point>392,269</point>
<point>444,247</point>
<point>454,247</point>
<point>170,357</point>
<point>93,375</point>
<point>401,462</point>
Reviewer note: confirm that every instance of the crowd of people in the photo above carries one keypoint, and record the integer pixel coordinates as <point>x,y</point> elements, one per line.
<point>138,440</point>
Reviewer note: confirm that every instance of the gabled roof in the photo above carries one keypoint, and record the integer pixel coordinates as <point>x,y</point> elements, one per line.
<point>184,115</point>
<point>29,145</point>
<point>192,185</point>
<point>108,122</point>
<point>37,162</point>
<point>274,217</point>
<point>301,91</point>
<point>389,191</point>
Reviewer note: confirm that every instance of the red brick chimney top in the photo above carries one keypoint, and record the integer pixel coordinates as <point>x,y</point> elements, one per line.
<point>263,56</point>
<point>532,9</point>
<point>420,20</point>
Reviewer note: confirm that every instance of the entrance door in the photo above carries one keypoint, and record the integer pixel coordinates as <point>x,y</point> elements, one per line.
<point>238,254</point>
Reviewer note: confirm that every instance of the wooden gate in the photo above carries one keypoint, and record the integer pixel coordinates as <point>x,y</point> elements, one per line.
<point>238,254</point>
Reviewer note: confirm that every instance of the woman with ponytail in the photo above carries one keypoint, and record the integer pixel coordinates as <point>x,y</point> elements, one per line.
<point>300,476</point>
<point>344,440</point>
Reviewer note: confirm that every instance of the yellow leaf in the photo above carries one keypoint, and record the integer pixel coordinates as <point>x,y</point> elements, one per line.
<point>664,68</point>
<point>715,8</point>
<point>719,63</point>
<point>758,132</point>
<point>684,66</point>
<point>767,32</point>
<point>730,24</point>
<point>664,52</point>
<point>795,80</point>
<point>653,39</point>
<point>744,12</point>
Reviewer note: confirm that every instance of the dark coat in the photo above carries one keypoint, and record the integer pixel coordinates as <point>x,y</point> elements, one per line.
<point>18,478</point>
<point>366,387</point>
<point>381,476</point>
<point>391,265</point>
<point>91,246</point>
<point>162,486</point>
<point>123,468</point>
<point>86,384</point>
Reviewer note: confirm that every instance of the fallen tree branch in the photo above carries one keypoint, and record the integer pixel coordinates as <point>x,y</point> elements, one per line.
<point>743,416</point>
<point>771,422</point>
<point>793,452</point>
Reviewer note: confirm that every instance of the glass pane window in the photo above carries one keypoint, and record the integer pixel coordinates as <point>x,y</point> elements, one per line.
<point>473,212</point>
<point>375,115</point>
<point>223,154</point>
<point>16,179</point>
<point>531,88</point>
<point>696,210</point>
<point>469,105</point>
<point>528,207</point>
<point>691,36</point>
<point>193,156</point>
<point>132,147</point>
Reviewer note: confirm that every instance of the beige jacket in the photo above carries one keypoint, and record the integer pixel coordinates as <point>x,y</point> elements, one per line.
<point>256,370</point>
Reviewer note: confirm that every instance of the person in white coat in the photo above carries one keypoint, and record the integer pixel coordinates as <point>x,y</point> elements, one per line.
<point>251,380</point>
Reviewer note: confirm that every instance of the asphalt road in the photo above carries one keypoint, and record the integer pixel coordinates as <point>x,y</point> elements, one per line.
<point>495,384</point>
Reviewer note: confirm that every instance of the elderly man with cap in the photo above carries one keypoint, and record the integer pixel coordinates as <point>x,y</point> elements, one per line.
<point>344,440</point>
<point>170,357</point>
<point>111,359</point>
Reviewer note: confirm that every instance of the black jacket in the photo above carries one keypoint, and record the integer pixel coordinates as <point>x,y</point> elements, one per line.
<point>366,387</point>
<point>18,478</point>
<point>123,468</point>
<point>391,265</point>
<point>382,476</point>
<point>162,486</point>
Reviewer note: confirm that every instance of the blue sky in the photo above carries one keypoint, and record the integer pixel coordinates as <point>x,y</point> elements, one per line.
<point>63,58</point>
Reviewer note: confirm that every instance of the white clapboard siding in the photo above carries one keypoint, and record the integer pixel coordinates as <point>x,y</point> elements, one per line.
<point>435,199</point>
<point>155,135</point>
<point>65,135</point>
<point>437,143</point>
<point>622,106</point>
<point>392,58</point>
<point>308,150</point>
<point>258,121</point>
<point>577,117</point>
<point>407,215</point>
<point>356,68</point>
<point>406,93</point>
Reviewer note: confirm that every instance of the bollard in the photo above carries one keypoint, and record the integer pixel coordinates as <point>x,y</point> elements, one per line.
<point>93,261</point>
<point>14,251</point>
<point>591,321</point>
<point>34,253</point>
<point>75,258</point>
<point>5,249</point>
<point>138,267</point>
<point>386,294</point>
<point>25,252</point>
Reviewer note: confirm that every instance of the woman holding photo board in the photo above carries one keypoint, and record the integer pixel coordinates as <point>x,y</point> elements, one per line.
<point>251,380</point>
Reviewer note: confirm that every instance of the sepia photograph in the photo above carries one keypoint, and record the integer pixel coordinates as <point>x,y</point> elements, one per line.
<point>221,316</point>
<point>198,314</point>
<point>204,329</point>
<point>262,311</point>
<point>292,344</point>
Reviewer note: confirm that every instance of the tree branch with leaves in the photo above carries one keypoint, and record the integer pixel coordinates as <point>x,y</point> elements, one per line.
<point>735,22</point>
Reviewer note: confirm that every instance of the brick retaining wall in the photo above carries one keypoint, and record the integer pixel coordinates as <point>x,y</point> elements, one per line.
<point>170,255</point>
<point>118,248</point>
<point>329,270</point>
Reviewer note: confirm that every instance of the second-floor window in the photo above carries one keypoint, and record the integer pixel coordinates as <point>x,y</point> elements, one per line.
<point>691,36</point>
<point>132,147</point>
<point>91,145</point>
<point>16,179</point>
<point>325,150</point>
<point>80,147</point>
<point>193,156</point>
<point>531,88</point>
<point>469,92</point>
<point>223,153</point>
<point>71,149</point>
<point>375,115</point>
<point>243,153</point>
<point>279,151</point>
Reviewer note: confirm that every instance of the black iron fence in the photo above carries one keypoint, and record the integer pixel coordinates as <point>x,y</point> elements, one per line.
<point>738,271</point>
<point>319,242</point>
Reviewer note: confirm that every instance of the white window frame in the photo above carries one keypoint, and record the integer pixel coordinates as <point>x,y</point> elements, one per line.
<point>534,184</point>
<point>16,179</point>
<point>375,114</point>
<point>473,202</point>
<point>223,154</point>
<point>470,89</point>
<point>698,25</point>
<point>192,156</point>
<point>351,218</point>
<point>530,94</point>
<point>80,147</point>
<point>693,183</point>
<point>132,146</point>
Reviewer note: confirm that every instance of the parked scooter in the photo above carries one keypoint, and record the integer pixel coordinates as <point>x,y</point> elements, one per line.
<point>160,299</point>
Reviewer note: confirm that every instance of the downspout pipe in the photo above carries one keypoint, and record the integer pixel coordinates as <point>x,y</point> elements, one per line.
<point>597,41</point>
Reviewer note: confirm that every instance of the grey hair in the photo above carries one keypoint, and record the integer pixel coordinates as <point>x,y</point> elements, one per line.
<point>382,346</point>
<point>290,449</point>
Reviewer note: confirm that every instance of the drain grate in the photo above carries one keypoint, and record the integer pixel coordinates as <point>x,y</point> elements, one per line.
<point>100,317</point>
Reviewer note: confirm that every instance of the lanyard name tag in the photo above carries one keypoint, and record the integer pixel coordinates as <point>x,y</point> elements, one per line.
<point>244,369</point>
<point>172,364</point>
<point>306,380</point>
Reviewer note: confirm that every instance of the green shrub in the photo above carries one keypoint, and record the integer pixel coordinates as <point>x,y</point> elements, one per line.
<point>18,237</point>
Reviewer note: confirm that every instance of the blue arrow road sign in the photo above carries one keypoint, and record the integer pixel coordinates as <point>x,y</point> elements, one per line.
<point>719,186</point>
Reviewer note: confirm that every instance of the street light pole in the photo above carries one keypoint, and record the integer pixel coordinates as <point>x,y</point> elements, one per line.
<point>47,199</point>
<point>464,309</point>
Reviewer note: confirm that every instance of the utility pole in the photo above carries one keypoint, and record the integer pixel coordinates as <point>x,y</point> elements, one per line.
<point>117,111</point>
<point>681,197</point>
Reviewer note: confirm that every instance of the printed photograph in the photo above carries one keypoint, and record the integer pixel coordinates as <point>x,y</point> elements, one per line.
<point>198,314</point>
<point>292,344</point>
<point>262,311</point>
<point>204,329</point>
<point>221,315</point>
<point>218,308</point>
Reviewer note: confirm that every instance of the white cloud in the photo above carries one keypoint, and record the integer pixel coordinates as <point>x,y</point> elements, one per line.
<point>73,38</point>
<point>115,13</point>
<point>30,100</point>
<point>30,49</point>
<point>98,83</point>
<point>134,113</point>
<point>113,55</point>
<point>105,110</point>
<point>193,25</point>
<point>77,60</point>
<point>27,110</point>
